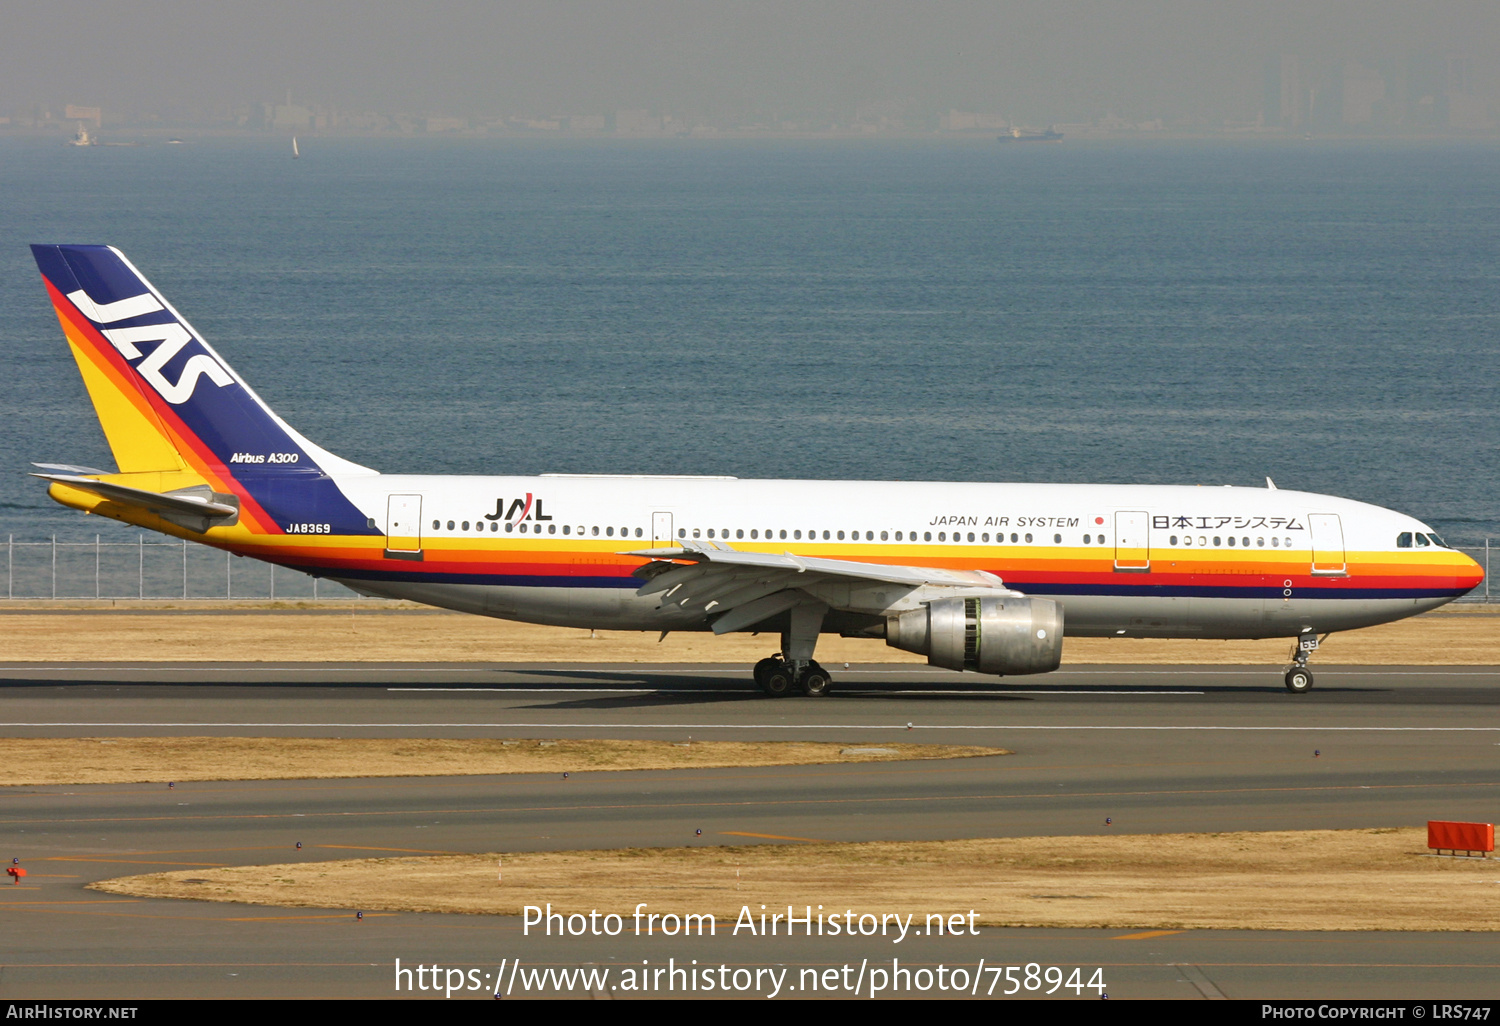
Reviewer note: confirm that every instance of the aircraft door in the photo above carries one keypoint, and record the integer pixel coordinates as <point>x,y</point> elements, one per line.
<point>1327,544</point>
<point>661,530</point>
<point>403,525</point>
<point>1132,543</point>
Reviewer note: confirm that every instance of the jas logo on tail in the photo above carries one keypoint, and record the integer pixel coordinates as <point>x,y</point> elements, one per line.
<point>170,339</point>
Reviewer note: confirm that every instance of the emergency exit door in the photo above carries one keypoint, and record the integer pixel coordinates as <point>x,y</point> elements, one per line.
<point>403,526</point>
<point>661,530</point>
<point>1132,542</point>
<point>1327,544</point>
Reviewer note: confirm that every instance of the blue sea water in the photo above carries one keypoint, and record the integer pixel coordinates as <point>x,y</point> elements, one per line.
<point>1207,313</point>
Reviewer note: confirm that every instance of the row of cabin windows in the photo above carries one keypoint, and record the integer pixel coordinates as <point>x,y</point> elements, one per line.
<point>1243,542</point>
<point>524,528</point>
<point>1404,540</point>
<point>942,536</point>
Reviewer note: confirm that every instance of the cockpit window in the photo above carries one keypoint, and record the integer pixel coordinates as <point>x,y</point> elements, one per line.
<point>1403,540</point>
<point>1438,541</point>
<point>1422,541</point>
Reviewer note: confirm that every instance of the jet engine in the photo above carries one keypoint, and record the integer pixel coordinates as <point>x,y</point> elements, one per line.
<point>1011,635</point>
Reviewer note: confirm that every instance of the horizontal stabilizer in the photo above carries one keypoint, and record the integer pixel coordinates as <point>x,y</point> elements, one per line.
<point>68,468</point>
<point>197,508</point>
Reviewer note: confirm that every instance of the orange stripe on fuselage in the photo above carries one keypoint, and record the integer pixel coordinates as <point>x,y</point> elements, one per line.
<point>1018,565</point>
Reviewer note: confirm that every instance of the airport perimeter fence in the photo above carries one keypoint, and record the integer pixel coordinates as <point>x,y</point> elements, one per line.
<point>151,569</point>
<point>147,569</point>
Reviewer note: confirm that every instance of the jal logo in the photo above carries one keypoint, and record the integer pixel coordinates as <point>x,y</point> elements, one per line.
<point>529,508</point>
<point>170,339</point>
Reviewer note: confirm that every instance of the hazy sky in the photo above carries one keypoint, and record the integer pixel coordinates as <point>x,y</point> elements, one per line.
<point>1040,59</point>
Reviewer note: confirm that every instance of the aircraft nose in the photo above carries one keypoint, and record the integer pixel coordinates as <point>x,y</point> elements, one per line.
<point>1470,573</point>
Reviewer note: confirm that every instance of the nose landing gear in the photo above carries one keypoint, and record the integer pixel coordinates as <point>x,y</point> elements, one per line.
<point>1299,679</point>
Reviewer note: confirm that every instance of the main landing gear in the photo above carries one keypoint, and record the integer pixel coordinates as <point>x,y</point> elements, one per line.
<point>1299,679</point>
<point>776,677</point>
<point>793,668</point>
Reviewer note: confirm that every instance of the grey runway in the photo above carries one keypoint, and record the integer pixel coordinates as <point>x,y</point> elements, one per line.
<point>1155,749</point>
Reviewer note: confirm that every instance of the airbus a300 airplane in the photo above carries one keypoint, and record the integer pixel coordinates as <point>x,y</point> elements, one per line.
<point>974,576</point>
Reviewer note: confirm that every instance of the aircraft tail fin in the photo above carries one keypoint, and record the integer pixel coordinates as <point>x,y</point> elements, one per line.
<point>170,404</point>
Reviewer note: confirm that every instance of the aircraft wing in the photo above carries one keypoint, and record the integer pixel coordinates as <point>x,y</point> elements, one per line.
<point>743,588</point>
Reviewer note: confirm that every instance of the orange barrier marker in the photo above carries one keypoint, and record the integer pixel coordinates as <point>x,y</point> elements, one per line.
<point>16,872</point>
<point>1460,837</point>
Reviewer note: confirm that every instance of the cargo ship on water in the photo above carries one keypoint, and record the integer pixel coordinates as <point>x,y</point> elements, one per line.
<point>1028,135</point>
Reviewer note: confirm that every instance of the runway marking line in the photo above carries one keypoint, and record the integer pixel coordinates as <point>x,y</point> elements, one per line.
<point>136,862</point>
<point>1147,935</point>
<point>291,919</point>
<point>727,669</point>
<point>771,837</point>
<point>335,917</point>
<point>169,851</point>
<point>85,901</point>
<point>1109,965</point>
<point>754,726</point>
<point>1049,796</point>
<point>649,689</point>
<point>409,851</point>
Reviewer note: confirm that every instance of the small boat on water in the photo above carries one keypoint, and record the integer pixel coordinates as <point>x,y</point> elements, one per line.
<point>295,153</point>
<point>1029,135</point>
<point>82,138</point>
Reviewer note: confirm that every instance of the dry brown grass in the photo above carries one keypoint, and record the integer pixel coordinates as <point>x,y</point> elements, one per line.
<point>391,633</point>
<point>126,760</point>
<point>1304,880</point>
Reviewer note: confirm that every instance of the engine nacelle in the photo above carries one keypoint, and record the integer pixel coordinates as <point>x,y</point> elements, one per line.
<point>998,635</point>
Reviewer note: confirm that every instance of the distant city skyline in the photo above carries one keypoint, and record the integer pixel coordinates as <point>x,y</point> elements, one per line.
<point>668,67</point>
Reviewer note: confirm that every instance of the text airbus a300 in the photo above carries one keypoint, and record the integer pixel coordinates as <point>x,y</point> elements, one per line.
<point>984,577</point>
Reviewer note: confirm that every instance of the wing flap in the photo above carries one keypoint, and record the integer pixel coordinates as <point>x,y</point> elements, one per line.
<point>722,555</point>
<point>740,589</point>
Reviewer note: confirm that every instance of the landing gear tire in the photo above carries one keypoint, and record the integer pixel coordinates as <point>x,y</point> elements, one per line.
<point>815,681</point>
<point>779,681</point>
<point>764,669</point>
<point>1299,681</point>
